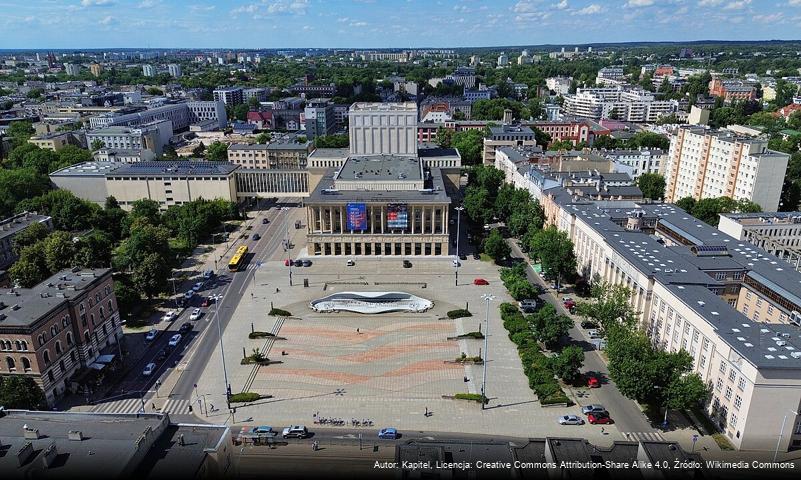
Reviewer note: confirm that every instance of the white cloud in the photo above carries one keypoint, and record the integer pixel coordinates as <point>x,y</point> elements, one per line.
<point>252,8</point>
<point>342,19</point>
<point>96,3</point>
<point>107,20</point>
<point>308,28</point>
<point>769,18</point>
<point>591,9</point>
<point>639,3</point>
<point>202,8</point>
<point>709,3</point>
<point>358,24</point>
<point>149,3</point>
<point>561,5</point>
<point>738,5</point>
<point>297,7</point>
<point>794,3</point>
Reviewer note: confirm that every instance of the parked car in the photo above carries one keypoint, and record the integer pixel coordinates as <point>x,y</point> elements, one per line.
<point>185,328</point>
<point>476,256</point>
<point>297,263</point>
<point>528,305</point>
<point>307,263</point>
<point>149,369</point>
<point>388,433</point>
<point>163,354</point>
<point>592,408</point>
<point>589,324</point>
<point>265,221</point>
<point>169,316</point>
<point>480,281</point>
<point>571,420</point>
<point>594,334</point>
<point>151,335</point>
<point>256,236</point>
<point>196,313</point>
<point>208,274</point>
<point>456,263</point>
<point>407,264</point>
<point>599,418</point>
<point>296,431</point>
<point>593,382</point>
<point>207,301</point>
<point>288,262</point>
<point>569,303</point>
<point>189,294</point>
<point>350,263</point>
<point>462,256</point>
<point>196,287</point>
<point>264,430</point>
<point>175,340</point>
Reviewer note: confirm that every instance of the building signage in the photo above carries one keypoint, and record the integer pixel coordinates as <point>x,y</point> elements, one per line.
<point>357,216</point>
<point>397,216</point>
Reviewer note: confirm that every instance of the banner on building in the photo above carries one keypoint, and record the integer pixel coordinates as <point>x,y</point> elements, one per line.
<point>397,216</point>
<point>357,216</point>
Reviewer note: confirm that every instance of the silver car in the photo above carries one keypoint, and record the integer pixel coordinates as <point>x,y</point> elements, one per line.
<point>594,408</point>
<point>571,420</point>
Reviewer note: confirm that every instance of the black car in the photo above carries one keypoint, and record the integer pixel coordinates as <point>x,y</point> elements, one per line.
<point>307,263</point>
<point>185,328</point>
<point>256,236</point>
<point>407,264</point>
<point>588,324</point>
<point>476,256</point>
<point>297,263</point>
<point>462,256</point>
<point>162,355</point>
<point>265,221</point>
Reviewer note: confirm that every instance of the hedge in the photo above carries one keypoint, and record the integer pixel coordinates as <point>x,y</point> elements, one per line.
<point>475,397</point>
<point>253,335</point>
<point>460,313</point>
<point>244,397</point>
<point>277,312</point>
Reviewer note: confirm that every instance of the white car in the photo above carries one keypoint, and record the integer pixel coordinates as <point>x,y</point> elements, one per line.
<point>456,263</point>
<point>297,431</point>
<point>197,286</point>
<point>151,335</point>
<point>149,369</point>
<point>351,263</point>
<point>169,316</point>
<point>196,313</point>
<point>571,420</point>
<point>175,340</point>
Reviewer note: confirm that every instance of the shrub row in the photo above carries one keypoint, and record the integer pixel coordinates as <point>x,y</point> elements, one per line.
<point>277,312</point>
<point>516,282</point>
<point>244,397</point>
<point>258,334</point>
<point>536,365</point>
<point>475,397</point>
<point>460,313</point>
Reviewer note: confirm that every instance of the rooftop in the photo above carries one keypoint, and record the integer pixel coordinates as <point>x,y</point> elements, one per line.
<point>88,169</point>
<point>22,307</point>
<point>326,193</point>
<point>160,168</point>
<point>12,225</point>
<point>384,107</point>
<point>381,167</point>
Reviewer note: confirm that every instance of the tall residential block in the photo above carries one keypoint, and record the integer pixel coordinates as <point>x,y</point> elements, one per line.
<point>174,69</point>
<point>148,71</point>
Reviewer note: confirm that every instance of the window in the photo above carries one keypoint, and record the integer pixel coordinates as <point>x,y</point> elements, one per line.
<point>10,364</point>
<point>745,310</point>
<point>732,375</point>
<point>748,295</point>
<point>770,309</point>
<point>759,302</point>
<point>69,338</point>
<point>41,339</point>
<point>18,344</point>
<point>741,383</point>
<point>51,376</point>
<point>719,385</point>
<point>738,401</point>
<point>722,366</point>
<point>733,420</point>
<point>727,394</point>
<point>702,362</point>
<point>58,348</point>
<point>706,344</point>
<point>26,364</point>
<point>46,357</point>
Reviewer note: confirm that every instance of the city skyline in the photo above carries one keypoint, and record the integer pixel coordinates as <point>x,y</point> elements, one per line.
<point>77,24</point>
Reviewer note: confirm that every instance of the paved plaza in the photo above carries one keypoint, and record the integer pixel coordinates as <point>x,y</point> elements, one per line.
<point>389,367</point>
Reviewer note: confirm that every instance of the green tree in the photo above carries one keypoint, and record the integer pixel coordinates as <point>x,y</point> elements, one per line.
<point>301,139</point>
<point>155,91</point>
<point>97,144</point>
<point>606,142</point>
<point>685,392</point>
<point>42,161</point>
<point>170,153</point>
<point>555,251</point>
<point>794,121</point>
<point>20,132</point>
<point>59,251</point>
<point>70,155</point>
<point>332,141</point>
<point>567,364</point>
<point>477,204</point>
<point>648,140</point>
<point>93,250</point>
<point>150,276</point>
<point>30,235</point>
<point>127,296</point>
<point>217,151</point>
<point>652,185</point>
<point>509,200</point>
<point>687,204</point>
<point>69,212</point>
<point>496,247</point>
<point>31,268</point>
<point>263,138</point>
<point>198,151</point>
<point>20,392</point>
<point>17,185</point>
<point>549,326</point>
<point>610,306</point>
<point>470,144</point>
<point>630,364</point>
<point>240,112</point>
<point>145,239</point>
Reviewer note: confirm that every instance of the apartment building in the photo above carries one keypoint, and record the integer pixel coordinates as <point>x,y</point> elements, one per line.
<point>57,140</point>
<point>637,162</point>
<point>464,76</point>
<point>148,71</point>
<point>229,95</point>
<point>631,105</point>
<point>778,233</point>
<point>72,69</point>
<point>280,155</point>
<point>319,118</point>
<point>175,70</point>
<point>10,227</point>
<point>610,76</point>
<point>506,136</point>
<point>559,85</point>
<point>705,163</point>
<point>52,330</point>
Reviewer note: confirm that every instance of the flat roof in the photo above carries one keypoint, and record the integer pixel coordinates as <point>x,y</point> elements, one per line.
<point>384,107</point>
<point>432,151</point>
<point>381,167</point>
<point>12,225</point>
<point>325,193</point>
<point>167,458</point>
<point>34,303</point>
<point>88,169</point>
<point>181,167</point>
<point>327,153</point>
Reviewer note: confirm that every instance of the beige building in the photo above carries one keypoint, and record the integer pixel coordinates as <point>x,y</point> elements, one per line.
<point>57,140</point>
<point>706,163</point>
<point>287,155</point>
<point>506,136</point>
<point>383,128</point>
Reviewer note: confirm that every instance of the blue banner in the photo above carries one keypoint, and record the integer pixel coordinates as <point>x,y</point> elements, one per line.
<point>357,216</point>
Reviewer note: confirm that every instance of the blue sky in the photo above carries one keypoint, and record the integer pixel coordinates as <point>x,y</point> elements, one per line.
<point>385,23</point>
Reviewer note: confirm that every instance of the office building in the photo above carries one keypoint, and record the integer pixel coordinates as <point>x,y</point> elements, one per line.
<point>319,118</point>
<point>631,105</point>
<point>256,94</point>
<point>10,227</point>
<point>153,136</point>
<point>74,444</point>
<point>96,69</point>
<point>148,70</point>
<point>383,128</point>
<point>72,69</point>
<point>284,154</point>
<point>229,95</point>
<point>174,70</point>
<point>506,136</point>
<point>51,331</point>
<point>705,163</point>
<point>57,140</point>
<point>182,115</point>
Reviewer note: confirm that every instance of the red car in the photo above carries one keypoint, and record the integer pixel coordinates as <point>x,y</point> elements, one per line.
<point>599,419</point>
<point>593,382</point>
<point>206,302</point>
<point>480,281</point>
<point>287,262</point>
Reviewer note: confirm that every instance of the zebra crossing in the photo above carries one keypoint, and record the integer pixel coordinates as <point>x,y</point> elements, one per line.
<point>134,405</point>
<point>644,436</point>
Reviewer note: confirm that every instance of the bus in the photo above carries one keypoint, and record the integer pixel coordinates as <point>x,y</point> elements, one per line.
<point>238,259</point>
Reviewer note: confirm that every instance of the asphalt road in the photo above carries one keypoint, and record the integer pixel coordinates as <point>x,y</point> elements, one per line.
<point>625,412</point>
<point>196,346</point>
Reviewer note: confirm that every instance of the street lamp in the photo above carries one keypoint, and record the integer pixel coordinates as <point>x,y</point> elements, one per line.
<point>222,350</point>
<point>458,225</point>
<point>487,299</point>
<point>286,241</point>
<point>781,433</point>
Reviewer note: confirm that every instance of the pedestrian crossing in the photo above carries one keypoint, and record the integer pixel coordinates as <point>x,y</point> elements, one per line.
<point>135,405</point>
<point>644,436</point>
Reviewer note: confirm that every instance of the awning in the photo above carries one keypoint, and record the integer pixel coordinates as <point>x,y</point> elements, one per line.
<point>97,366</point>
<point>105,359</point>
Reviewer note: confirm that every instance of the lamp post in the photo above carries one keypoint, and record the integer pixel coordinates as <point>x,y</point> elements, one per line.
<point>458,227</point>
<point>781,433</point>
<point>286,241</point>
<point>487,298</point>
<point>222,350</point>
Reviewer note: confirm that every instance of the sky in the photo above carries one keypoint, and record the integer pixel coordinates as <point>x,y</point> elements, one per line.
<point>46,24</point>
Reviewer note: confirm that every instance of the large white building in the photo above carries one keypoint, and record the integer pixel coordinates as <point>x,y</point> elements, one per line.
<point>72,69</point>
<point>151,137</point>
<point>174,69</point>
<point>383,128</point>
<point>560,85</point>
<point>705,163</point>
<point>180,114</point>
<point>148,71</point>
<point>637,162</point>
<point>631,105</point>
<point>777,232</point>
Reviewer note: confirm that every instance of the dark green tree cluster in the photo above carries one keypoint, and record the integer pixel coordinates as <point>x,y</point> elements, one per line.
<point>332,141</point>
<point>495,246</point>
<point>481,192</point>
<point>516,282</point>
<point>217,151</point>
<point>554,250</point>
<point>20,392</point>
<point>709,209</point>
<point>652,185</point>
